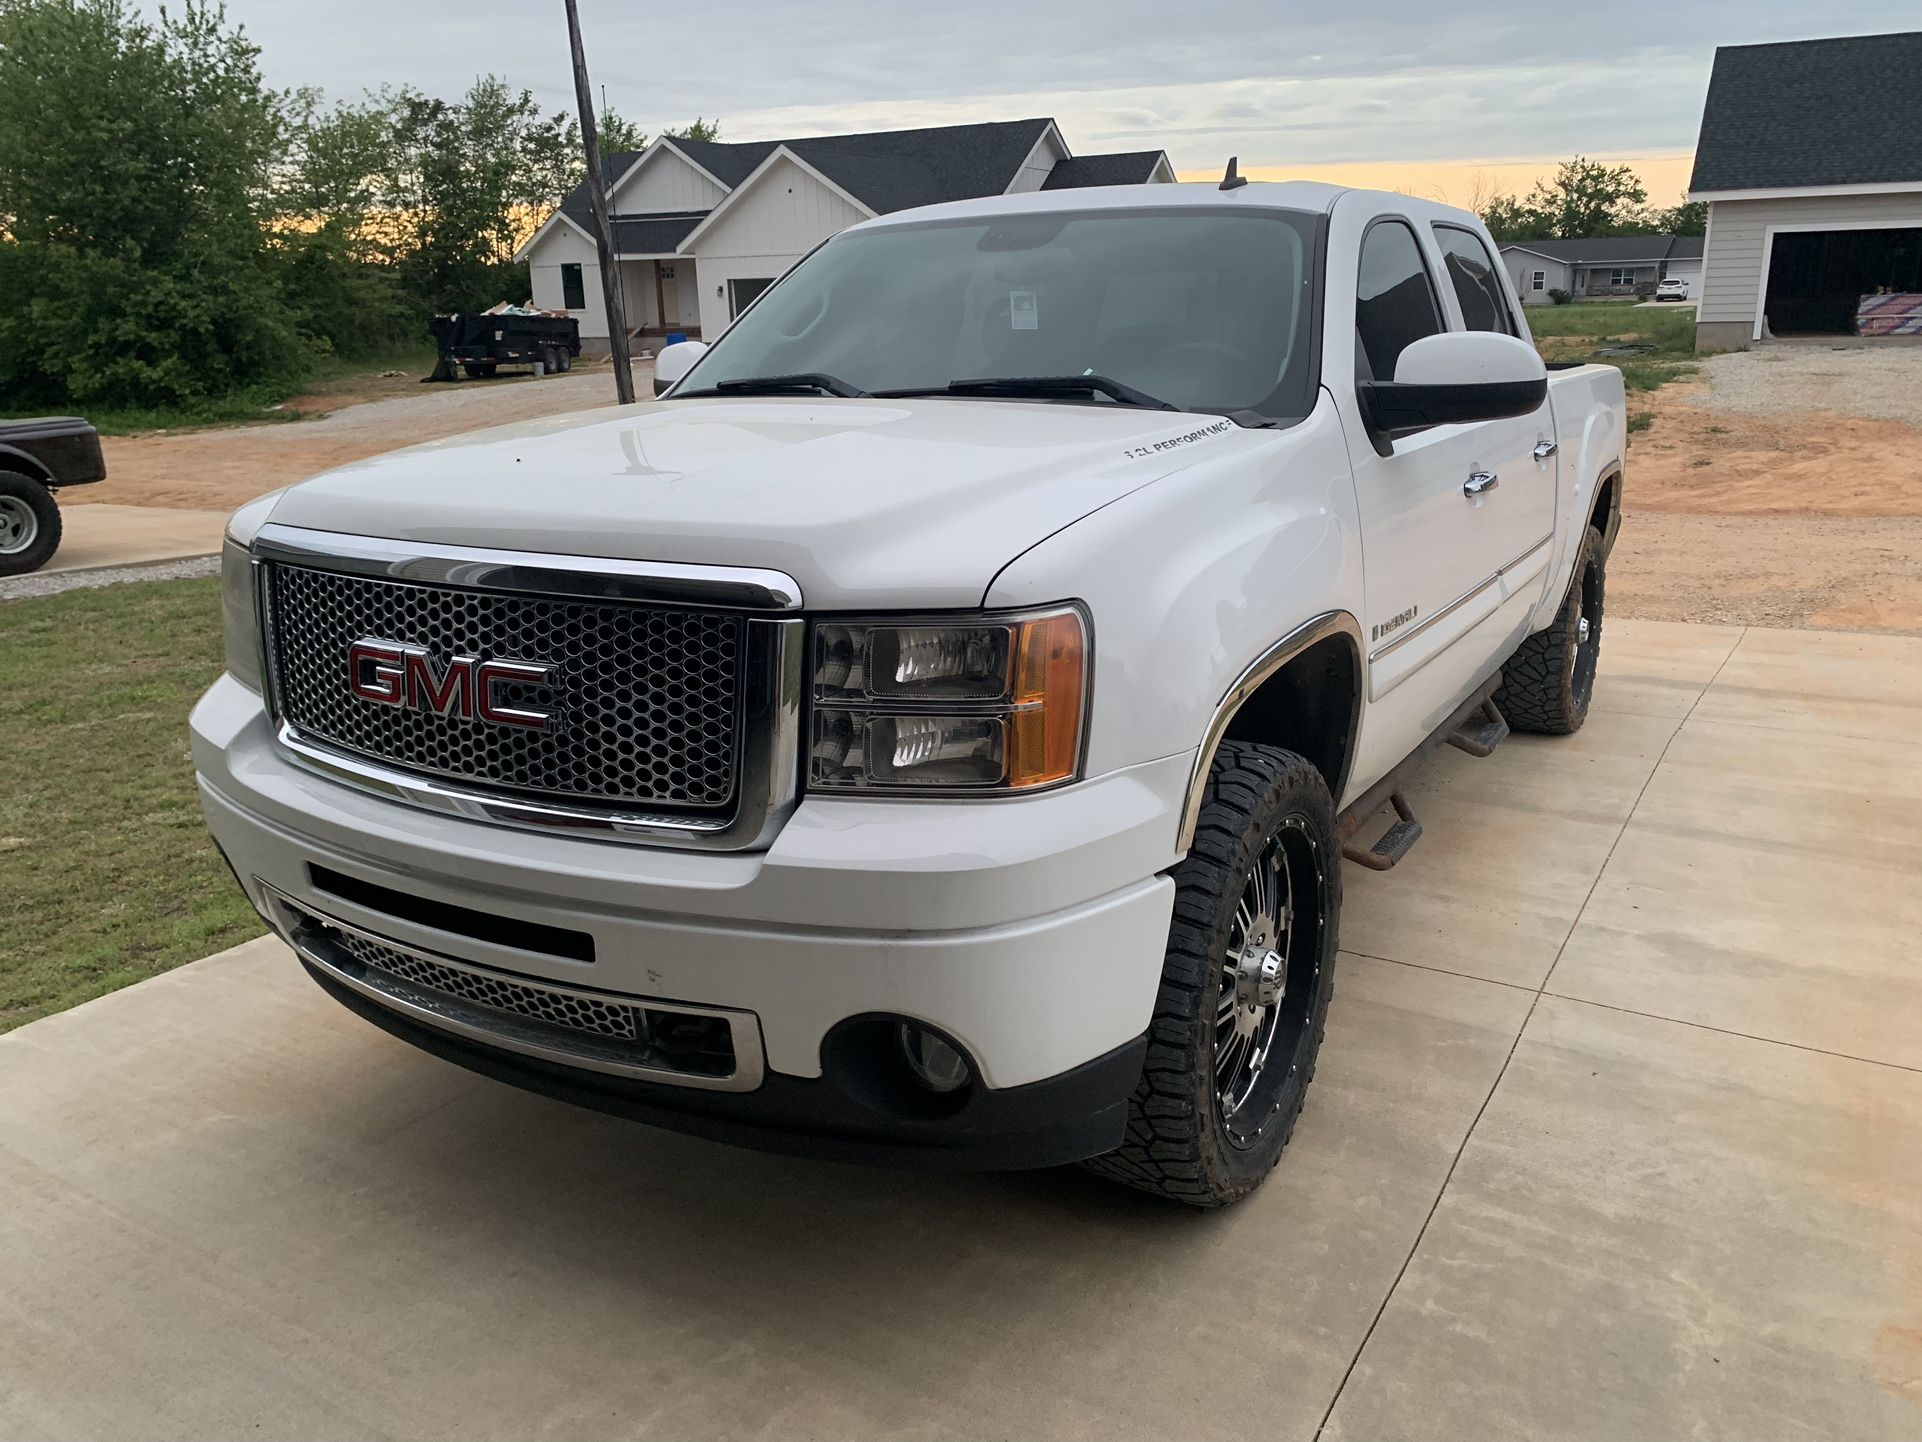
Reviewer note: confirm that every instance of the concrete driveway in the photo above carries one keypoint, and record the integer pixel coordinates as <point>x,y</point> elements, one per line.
<point>1618,1133</point>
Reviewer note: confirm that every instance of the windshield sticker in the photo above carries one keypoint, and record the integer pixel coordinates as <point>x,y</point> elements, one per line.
<point>1022,314</point>
<point>1174,443</point>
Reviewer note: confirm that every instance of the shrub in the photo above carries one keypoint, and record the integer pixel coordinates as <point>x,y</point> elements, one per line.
<point>1561,297</point>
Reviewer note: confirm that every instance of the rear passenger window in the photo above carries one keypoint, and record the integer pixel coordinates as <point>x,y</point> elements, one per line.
<point>1395,300</point>
<point>1472,273</point>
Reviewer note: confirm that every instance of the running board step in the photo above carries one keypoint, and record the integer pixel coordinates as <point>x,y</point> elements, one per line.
<point>1393,844</point>
<point>1481,731</point>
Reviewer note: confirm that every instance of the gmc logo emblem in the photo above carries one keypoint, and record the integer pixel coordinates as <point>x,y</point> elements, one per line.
<point>395,675</point>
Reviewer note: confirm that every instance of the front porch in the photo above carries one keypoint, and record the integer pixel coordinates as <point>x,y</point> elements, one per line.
<point>662,298</point>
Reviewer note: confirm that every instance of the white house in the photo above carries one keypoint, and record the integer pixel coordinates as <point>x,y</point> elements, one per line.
<point>1629,266</point>
<point>1810,159</point>
<point>702,227</point>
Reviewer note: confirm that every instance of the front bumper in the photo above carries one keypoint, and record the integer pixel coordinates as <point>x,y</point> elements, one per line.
<point>1029,931</point>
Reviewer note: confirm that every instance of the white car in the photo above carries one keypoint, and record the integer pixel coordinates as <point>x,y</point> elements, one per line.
<point>934,731</point>
<point>1672,289</point>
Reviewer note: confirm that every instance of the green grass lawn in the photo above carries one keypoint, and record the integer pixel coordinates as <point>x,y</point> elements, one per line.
<point>107,874</point>
<point>1576,332</point>
<point>330,383</point>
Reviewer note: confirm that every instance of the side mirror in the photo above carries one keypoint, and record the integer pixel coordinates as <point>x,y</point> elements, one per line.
<point>676,361</point>
<point>1455,378</point>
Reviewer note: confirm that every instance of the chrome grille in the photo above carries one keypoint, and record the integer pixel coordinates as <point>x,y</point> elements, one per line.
<point>646,699</point>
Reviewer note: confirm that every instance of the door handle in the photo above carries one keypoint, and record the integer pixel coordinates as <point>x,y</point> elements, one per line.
<point>1479,481</point>
<point>1545,449</point>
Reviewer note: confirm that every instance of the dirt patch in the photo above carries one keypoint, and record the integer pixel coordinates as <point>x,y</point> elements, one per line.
<point>1778,489</point>
<point>1698,458</point>
<point>221,469</point>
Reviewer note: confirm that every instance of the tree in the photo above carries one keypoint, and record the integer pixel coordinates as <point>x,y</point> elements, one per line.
<point>1510,219</point>
<point>1685,217</point>
<point>1586,198</point>
<point>617,133</point>
<point>699,129</point>
<point>135,161</point>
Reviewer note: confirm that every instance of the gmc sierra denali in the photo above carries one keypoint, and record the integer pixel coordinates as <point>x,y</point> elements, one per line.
<point>934,730</point>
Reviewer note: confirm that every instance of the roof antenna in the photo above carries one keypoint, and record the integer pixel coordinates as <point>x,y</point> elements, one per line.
<point>1232,180</point>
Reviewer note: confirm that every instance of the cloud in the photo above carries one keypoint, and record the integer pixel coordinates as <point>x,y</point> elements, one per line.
<point>1281,83</point>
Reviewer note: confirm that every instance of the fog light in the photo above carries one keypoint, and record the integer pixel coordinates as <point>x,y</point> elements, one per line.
<point>935,1064</point>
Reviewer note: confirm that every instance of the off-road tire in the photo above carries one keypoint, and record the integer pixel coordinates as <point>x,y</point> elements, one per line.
<point>30,505</point>
<point>1178,1144</point>
<point>566,359</point>
<point>1549,681</point>
<point>550,362</point>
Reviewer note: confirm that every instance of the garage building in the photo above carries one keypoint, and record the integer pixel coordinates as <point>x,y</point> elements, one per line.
<point>1810,159</point>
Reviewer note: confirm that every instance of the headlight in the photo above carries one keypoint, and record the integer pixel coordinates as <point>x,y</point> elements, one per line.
<point>240,613</point>
<point>988,704</point>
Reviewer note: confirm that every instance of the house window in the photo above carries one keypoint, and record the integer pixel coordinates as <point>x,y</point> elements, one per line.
<point>573,288</point>
<point>742,293</point>
<point>1538,280</point>
<point>1622,275</point>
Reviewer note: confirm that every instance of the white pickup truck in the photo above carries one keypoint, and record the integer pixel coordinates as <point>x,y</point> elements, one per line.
<point>934,730</point>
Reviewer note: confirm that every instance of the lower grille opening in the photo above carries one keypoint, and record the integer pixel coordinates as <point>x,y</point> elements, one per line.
<point>597,1029</point>
<point>460,920</point>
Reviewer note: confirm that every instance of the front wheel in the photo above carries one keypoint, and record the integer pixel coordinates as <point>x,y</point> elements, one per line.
<point>29,524</point>
<point>1245,987</point>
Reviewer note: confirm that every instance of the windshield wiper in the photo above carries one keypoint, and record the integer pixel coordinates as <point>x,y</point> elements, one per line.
<point>1082,385</point>
<point>775,385</point>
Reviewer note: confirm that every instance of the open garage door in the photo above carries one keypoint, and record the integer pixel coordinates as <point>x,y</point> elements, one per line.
<point>1817,278</point>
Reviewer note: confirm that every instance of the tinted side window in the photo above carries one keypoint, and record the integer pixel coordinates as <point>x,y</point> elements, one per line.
<point>1473,275</point>
<point>1394,301</point>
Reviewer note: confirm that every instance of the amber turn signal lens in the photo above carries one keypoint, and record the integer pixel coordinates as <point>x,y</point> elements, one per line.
<point>1050,675</point>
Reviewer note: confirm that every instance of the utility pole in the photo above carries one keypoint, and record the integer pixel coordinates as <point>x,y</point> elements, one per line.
<point>603,227</point>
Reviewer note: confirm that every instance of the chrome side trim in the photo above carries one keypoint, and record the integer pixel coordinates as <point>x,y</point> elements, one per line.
<point>1401,638</point>
<point>505,1030</point>
<point>536,572</point>
<point>1329,623</point>
<point>767,792</point>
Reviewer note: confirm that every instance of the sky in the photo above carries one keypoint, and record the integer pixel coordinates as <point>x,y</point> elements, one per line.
<point>1435,98</point>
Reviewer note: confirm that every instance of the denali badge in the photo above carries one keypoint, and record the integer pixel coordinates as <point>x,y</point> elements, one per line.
<point>1394,623</point>
<point>397,675</point>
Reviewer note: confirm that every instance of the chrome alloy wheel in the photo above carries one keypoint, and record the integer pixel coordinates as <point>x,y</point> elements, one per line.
<point>19,526</point>
<point>1268,978</point>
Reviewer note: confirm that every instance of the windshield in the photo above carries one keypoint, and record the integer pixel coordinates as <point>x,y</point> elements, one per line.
<point>1201,309</point>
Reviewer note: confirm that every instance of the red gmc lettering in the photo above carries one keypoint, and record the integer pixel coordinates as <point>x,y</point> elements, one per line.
<point>450,695</point>
<point>374,672</point>
<point>488,673</point>
<point>396,675</point>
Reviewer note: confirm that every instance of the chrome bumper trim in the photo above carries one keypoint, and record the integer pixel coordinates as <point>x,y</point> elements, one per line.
<point>504,1029</point>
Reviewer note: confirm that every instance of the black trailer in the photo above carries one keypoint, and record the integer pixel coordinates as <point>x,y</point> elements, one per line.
<point>37,457</point>
<point>479,345</point>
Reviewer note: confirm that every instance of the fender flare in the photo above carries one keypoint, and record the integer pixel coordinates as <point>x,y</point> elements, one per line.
<point>12,458</point>
<point>1320,628</point>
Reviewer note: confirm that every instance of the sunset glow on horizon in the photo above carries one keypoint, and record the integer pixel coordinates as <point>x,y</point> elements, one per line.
<point>1456,181</point>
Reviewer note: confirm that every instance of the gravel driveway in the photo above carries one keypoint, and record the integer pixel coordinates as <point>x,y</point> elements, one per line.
<point>1884,382</point>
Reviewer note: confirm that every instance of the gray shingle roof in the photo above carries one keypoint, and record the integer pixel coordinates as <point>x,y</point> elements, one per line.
<point>1846,111</point>
<point>1130,167</point>
<point>886,170</point>
<point>653,234</point>
<point>1603,250</point>
<point>577,208</point>
<point>1686,247</point>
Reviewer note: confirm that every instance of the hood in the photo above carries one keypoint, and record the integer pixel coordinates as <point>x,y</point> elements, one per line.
<point>864,502</point>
